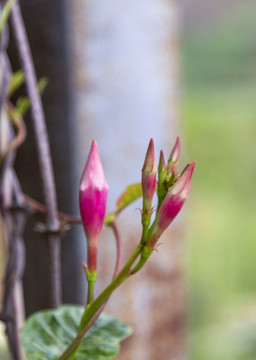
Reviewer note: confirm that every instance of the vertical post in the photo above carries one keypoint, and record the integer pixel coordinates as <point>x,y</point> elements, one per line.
<point>125,85</point>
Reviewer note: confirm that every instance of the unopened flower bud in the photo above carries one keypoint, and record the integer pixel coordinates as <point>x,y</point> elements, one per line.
<point>162,184</point>
<point>174,157</point>
<point>93,200</point>
<point>148,179</point>
<point>172,203</point>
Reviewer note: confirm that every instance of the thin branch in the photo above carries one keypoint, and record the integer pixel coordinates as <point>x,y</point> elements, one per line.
<point>11,226</point>
<point>21,132</point>
<point>119,248</point>
<point>13,223</point>
<point>66,218</point>
<point>70,219</point>
<point>5,65</point>
<point>44,156</point>
<point>36,205</point>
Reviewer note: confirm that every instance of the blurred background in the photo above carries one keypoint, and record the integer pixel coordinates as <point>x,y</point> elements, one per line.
<point>216,104</point>
<point>219,120</point>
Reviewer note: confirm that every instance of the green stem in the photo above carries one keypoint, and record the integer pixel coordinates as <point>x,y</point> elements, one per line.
<point>144,234</point>
<point>145,221</point>
<point>91,309</point>
<point>145,254</point>
<point>90,294</point>
<point>91,279</point>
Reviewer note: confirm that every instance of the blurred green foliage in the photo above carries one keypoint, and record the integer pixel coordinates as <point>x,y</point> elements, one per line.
<point>219,116</point>
<point>224,51</point>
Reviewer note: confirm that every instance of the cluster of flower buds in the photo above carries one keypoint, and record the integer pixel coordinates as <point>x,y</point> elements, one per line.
<point>172,191</point>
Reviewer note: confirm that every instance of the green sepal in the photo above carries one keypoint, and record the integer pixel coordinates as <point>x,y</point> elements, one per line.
<point>109,219</point>
<point>91,275</point>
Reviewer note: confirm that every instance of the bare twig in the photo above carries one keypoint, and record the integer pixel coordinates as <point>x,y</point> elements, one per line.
<point>70,219</point>
<point>36,205</point>
<point>14,269</point>
<point>5,65</point>
<point>12,224</point>
<point>45,160</point>
<point>21,133</point>
<point>12,227</point>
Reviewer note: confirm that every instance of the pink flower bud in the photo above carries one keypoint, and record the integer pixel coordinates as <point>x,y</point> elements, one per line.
<point>172,203</point>
<point>174,157</point>
<point>148,180</point>
<point>93,200</point>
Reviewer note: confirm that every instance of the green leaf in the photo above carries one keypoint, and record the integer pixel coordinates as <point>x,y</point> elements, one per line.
<point>47,334</point>
<point>130,194</point>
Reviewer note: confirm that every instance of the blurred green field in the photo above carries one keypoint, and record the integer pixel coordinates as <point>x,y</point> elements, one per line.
<point>219,117</point>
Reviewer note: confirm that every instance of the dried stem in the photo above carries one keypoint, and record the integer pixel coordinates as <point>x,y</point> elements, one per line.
<point>70,219</point>
<point>43,150</point>
<point>12,224</point>
<point>21,133</point>
<point>36,205</point>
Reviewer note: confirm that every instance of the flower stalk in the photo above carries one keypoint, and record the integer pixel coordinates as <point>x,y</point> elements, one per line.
<point>91,309</point>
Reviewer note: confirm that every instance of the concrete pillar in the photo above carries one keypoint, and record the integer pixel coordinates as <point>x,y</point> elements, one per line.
<point>125,87</point>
